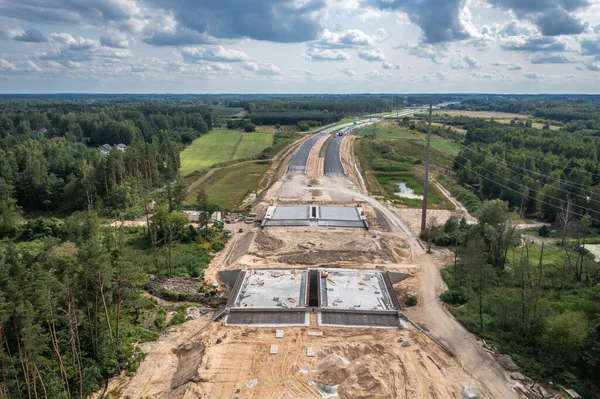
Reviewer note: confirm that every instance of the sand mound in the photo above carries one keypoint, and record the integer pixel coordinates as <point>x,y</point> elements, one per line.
<point>359,370</point>
<point>267,243</point>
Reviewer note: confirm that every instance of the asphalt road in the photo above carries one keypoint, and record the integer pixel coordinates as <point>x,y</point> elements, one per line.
<point>333,161</point>
<point>300,160</point>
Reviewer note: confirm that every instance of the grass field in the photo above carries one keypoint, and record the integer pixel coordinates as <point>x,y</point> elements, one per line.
<point>228,187</point>
<point>390,184</point>
<point>253,143</point>
<point>389,133</point>
<point>214,147</point>
<point>224,112</point>
<point>482,114</point>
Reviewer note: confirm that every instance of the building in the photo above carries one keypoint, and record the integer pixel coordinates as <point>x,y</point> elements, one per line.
<point>121,147</point>
<point>104,149</point>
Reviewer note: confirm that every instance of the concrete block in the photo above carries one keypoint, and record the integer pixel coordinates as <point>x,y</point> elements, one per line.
<point>274,349</point>
<point>279,334</point>
<point>310,352</point>
<point>315,333</point>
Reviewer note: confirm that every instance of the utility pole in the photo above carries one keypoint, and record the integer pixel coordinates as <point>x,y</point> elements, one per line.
<point>426,183</point>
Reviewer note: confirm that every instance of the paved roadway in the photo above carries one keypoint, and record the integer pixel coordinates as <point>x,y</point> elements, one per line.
<point>333,160</point>
<point>300,160</point>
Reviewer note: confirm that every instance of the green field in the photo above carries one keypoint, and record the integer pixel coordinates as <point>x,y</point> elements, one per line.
<point>224,112</point>
<point>386,133</point>
<point>390,183</point>
<point>253,143</point>
<point>214,147</point>
<point>228,187</point>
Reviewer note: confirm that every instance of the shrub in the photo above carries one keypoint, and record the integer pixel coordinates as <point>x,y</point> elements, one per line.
<point>456,296</point>
<point>411,300</point>
<point>250,127</point>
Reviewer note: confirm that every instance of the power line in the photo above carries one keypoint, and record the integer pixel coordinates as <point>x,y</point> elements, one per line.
<point>518,184</point>
<point>538,159</point>
<point>589,188</point>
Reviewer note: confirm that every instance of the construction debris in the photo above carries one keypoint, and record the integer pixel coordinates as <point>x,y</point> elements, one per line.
<point>310,352</point>
<point>315,333</point>
<point>274,349</point>
<point>279,334</point>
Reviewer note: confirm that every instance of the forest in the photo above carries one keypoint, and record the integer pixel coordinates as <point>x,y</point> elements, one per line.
<point>530,292</point>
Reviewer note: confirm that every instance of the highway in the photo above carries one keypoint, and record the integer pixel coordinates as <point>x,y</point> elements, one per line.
<point>333,157</point>
<point>300,160</point>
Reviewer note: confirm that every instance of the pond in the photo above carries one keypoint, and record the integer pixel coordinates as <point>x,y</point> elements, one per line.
<point>406,192</point>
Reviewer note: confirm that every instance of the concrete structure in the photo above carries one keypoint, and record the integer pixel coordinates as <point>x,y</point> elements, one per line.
<point>316,216</point>
<point>339,297</point>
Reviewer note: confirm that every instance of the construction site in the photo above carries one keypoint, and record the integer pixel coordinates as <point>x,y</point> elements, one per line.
<point>316,304</point>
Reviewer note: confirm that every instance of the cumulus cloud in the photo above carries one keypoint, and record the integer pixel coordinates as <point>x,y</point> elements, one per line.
<point>386,65</point>
<point>6,66</point>
<point>593,66</point>
<point>545,58</point>
<point>114,40</point>
<point>533,76</point>
<point>285,21</point>
<point>510,66</point>
<point>439,20</point>
<point>347,71</point>
<point>465,62</point>
<point>372,55</point>
<point>31,36</point>
<point>381,35</point>
<point>553,17</point>
<point>95,12</point>
<point>262,68</point>
<point>348,39</point>
<point>534,44</point>
<point>436,53</point>
<point>316,54</point>
<point>216,54</point>
<point>177,37</point>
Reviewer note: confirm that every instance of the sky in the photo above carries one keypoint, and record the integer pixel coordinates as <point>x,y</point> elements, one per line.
<point>299,46</point>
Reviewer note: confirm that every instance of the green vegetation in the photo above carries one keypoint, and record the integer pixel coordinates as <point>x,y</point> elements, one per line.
<point>210,149</point>
<point>389,182</point>
<point>538,303</point>
<point>224,112</point>
<point>252,144</point>
<point>228,187</point>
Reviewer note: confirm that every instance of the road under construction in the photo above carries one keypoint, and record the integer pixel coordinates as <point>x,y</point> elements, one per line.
<point>316,310</point>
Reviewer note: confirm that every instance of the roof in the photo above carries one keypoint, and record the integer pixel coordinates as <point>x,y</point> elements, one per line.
<point>105,147</point>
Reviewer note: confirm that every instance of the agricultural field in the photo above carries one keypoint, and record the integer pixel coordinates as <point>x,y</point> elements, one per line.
<point>221,146</point>
<point>212,148</point>
<point>252,144</point>
<point>482,114</point>
<point>228,187</point>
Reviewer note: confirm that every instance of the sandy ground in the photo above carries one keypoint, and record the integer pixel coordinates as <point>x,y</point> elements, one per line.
<point>362,363</point>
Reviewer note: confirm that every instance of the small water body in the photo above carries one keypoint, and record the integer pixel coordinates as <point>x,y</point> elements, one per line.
<point>406,192</point>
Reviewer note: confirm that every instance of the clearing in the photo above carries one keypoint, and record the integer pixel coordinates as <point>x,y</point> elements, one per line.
<point>209,149</point>
<point>482,114</point>
<point>229,186</point>
<point>221,146</point>
<point>252,144</point>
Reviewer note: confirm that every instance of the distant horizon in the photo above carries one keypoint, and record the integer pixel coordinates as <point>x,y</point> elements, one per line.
<point>299,94</point>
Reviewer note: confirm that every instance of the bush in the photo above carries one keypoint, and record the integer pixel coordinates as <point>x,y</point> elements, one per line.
<point>250,127</point>
<point>456,296</point>
<point>544,231</point>
<point>411,300</point>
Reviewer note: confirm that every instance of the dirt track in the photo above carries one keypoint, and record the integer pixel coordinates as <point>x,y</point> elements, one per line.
<point>364,363</point>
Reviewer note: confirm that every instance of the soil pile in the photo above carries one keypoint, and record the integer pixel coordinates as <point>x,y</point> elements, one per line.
<point>359,370</point>
<point>266,242</point>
